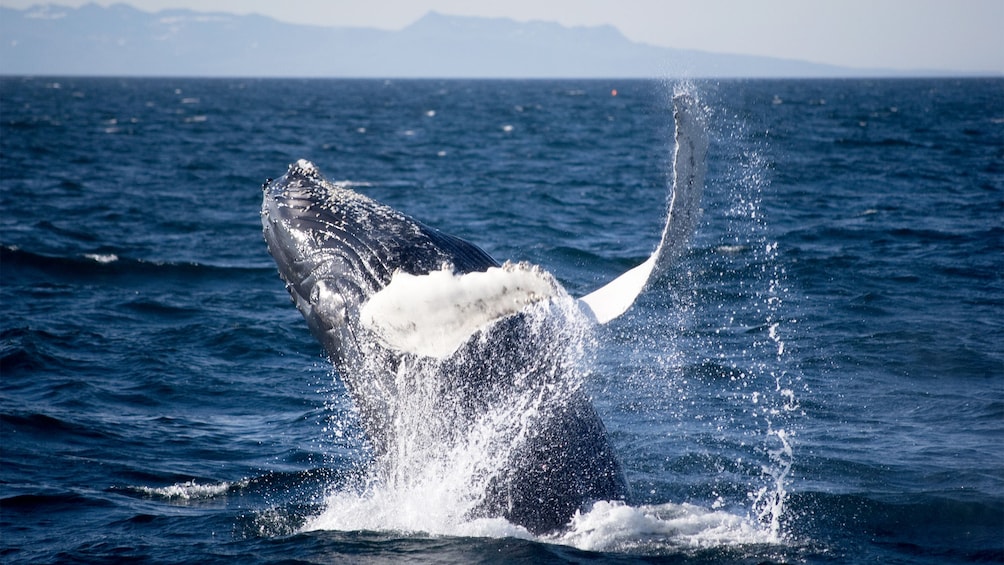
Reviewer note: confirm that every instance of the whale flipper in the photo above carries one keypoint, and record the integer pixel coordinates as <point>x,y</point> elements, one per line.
<point>689,168</point>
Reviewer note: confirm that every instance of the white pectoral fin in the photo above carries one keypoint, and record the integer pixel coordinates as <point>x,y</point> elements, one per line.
<point>613,299</point>
<point>689,168</point>
<point>434,314</point>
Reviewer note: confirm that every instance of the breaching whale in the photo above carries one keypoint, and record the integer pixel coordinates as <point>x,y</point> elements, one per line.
<point>393,301</point>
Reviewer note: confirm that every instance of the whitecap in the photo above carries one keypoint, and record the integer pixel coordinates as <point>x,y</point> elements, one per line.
<point>189,490</point>
<point>102,258</point>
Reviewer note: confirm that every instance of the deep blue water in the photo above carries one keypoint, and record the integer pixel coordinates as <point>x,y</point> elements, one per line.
<point>820,379</point>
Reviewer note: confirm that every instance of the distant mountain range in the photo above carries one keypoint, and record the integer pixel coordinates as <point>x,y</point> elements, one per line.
<point>120,40</point>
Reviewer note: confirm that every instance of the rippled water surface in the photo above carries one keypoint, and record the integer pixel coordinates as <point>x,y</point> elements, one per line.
<point>819,379</point>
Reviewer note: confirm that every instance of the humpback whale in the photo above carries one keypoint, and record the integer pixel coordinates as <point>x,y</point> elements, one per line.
<point>409,314</point>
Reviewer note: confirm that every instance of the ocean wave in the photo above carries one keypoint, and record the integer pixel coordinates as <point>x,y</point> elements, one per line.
<point>16,259</point>
<point>47,426</point>
<point>50,501</point>
<point>276,485</point>
<point>939,525</point>
<point>189,490</point>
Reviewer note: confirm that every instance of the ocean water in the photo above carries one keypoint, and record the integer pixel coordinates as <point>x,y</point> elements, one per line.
<point>820,379</point>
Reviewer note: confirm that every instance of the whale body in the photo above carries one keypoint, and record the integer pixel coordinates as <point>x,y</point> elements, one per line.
<point>411,316</point>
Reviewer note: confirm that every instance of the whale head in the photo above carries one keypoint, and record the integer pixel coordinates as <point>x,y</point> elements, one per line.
<point>335,248</point>
<point>308,224</point>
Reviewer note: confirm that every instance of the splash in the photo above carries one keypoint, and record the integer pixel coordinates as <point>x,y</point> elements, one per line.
<point>662,528</point>
<point>767,384</point>
<point>711,372</point>
<point>445,460</point>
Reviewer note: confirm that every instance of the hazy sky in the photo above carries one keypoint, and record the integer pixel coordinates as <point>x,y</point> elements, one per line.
<point>963,35</point>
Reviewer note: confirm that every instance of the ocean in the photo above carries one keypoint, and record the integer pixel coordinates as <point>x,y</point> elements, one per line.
<point>819,379</point>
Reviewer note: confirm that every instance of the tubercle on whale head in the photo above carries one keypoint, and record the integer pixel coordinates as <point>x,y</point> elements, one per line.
<point>301,200</point>
<point>302,170</point>
<point>303,175</point>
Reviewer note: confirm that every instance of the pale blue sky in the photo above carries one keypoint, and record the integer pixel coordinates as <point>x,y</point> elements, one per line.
<point>962,35</point>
